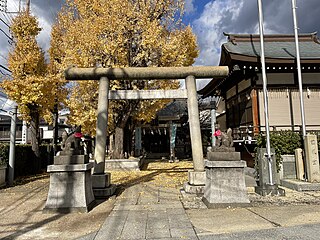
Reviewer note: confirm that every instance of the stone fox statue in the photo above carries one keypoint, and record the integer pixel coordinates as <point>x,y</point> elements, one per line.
<point>71,143</point>
<point>224,139</point>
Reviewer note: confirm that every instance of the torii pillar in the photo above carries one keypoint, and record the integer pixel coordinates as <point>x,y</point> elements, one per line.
<point>100,179</point>
<point>197,176</point>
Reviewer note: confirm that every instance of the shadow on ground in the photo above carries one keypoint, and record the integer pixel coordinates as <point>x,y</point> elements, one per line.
<point>159,173</point>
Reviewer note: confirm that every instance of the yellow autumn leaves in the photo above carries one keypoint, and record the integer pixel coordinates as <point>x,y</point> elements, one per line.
<point>142,33</point>
<point>159,173</point>
<point>91,33</point>
<point>31,85</point>
<point>25,26</point>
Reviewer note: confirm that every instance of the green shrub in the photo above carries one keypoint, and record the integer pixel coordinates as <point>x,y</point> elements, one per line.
<point>25,161</point>
<point>283,142</point>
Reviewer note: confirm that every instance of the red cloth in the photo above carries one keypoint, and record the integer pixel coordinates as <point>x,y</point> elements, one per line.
<point>217,133</point>
<point>78,135</point>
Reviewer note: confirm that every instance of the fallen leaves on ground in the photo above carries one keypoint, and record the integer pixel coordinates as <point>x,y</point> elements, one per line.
<point>159,173</point>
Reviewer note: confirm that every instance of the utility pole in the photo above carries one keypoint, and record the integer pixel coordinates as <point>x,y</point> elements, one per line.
<point>28,6</point>
<point>12,145</point>
<point>295,24</point>
<point>265,94</point>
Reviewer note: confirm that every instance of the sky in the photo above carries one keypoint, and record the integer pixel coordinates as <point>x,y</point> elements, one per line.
<point>208,19</point>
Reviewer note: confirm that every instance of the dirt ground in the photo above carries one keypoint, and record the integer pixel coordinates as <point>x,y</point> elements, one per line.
<point>22,217</point>
<point>21,206</point>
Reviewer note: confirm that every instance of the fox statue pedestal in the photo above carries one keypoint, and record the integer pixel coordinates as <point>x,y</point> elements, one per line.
<point>70,188</point>
<point>225,177</point>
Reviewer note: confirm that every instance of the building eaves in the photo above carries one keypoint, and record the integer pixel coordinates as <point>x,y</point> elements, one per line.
<point>281,47</point>
<point>234,38</point>
<point>211,89</point>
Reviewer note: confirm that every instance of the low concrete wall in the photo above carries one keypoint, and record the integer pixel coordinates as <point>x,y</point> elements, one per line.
<point>124,164</point>
<point>3,169</point>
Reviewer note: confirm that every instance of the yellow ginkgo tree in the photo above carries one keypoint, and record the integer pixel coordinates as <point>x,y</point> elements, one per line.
<point>117,33</point>
<point>30,85</point>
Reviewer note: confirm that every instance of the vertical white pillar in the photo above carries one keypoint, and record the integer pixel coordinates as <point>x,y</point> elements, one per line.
<point>12,150</point>
<point>24,132</point>
<point>265,94</point>
<point>102,123</point>
<point>194,125</point>
<point>213,126</point>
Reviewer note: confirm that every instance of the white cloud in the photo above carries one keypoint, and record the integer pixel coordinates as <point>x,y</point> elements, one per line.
<point>44,36</point>
<point>45,11</point>
<point>189,6</point>
<point>241,16</point>
<point>218,16</point>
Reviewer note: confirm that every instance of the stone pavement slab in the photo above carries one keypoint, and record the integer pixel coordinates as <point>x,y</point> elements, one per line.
<point>226,220</point>
<point>264,222</point>
<point>146,212</point>
<point>289,215</point>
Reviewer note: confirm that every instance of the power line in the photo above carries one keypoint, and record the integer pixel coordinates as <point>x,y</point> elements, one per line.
<point>7,17</point>
<point>5,68</point>
<point>10,38</point>
<point>4,22</point>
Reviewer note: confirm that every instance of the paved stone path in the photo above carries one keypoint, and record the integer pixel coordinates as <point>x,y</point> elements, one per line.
<point>146,212</point>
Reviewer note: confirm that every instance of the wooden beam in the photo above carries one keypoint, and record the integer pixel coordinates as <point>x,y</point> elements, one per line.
<point>148,94</point>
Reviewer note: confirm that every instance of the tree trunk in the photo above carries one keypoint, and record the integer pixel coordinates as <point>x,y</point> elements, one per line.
<point>35,134</point>
<point>119,132</point>
<point>118,142</point>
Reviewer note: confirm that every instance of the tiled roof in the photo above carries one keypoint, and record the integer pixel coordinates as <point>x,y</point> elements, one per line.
<point>279,49</point>
<point>276,46</point>
<point>174,108</point>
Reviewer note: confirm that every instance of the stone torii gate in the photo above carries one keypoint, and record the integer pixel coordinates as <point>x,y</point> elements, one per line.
<point>100,179</point>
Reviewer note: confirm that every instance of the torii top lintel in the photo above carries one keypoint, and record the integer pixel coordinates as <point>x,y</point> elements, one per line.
<point>146,73</point>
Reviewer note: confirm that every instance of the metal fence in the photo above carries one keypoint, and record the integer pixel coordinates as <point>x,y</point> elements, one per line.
<point>247,133</point>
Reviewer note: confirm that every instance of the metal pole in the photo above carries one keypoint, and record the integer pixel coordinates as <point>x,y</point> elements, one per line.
<point>12,146</point>
<point>295,23</point>
<point>28,6</point>
<point>265,93</point>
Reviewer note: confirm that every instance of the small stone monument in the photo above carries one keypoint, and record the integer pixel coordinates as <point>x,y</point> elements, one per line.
<point>225,177</point>
<point>312,158</point>
<point>70,186</point>
<point>264,187</point>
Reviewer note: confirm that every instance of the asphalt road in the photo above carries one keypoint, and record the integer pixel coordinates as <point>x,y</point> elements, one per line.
<point>300,232</point>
